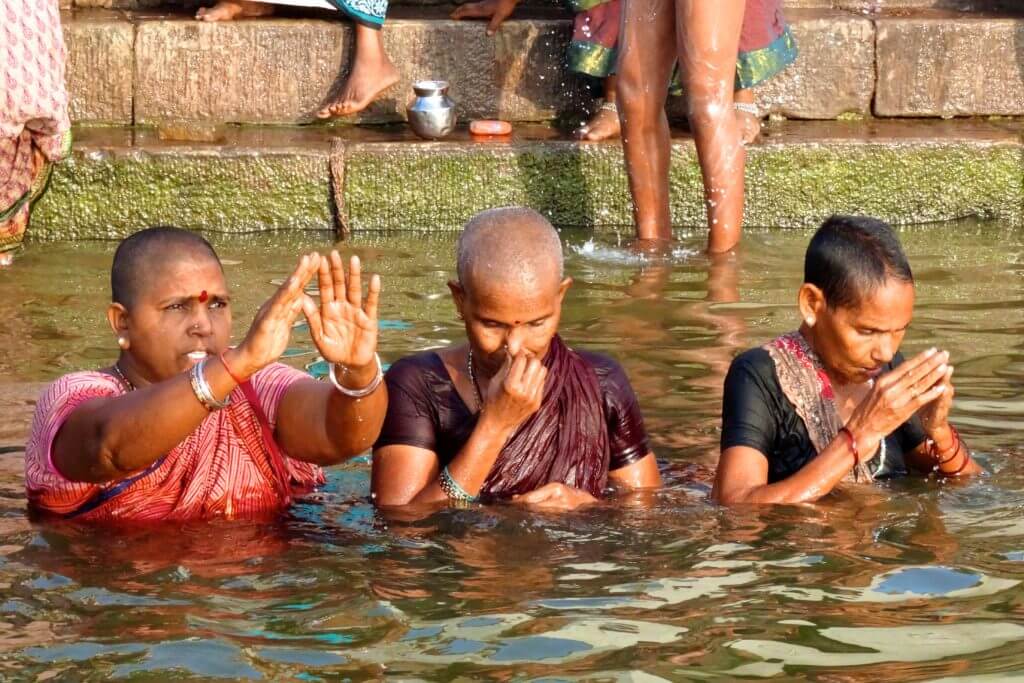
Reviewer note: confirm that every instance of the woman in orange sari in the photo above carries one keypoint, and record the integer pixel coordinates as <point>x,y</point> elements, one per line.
<point>34,125</point>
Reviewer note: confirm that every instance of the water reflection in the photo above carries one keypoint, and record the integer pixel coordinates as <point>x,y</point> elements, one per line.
<point>911,580</point>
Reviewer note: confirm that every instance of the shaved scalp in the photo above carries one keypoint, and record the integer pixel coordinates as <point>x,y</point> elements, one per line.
<point>512,245</point>
<point>139,255</point>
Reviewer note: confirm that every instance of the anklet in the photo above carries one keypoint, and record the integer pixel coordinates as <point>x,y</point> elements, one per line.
<point>747,108</point>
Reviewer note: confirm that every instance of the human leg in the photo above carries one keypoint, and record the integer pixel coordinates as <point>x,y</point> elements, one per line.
<point>708,41</point>
<point>372,73</point>
<point>647,53</point>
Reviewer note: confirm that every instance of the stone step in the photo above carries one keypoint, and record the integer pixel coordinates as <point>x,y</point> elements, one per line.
<point>265,179</point>
<point>151,67</point>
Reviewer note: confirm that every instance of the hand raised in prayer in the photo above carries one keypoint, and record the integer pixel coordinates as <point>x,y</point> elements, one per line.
<point>516,391</point>
<point>555,497</point>
<point>935,415</point>
<point>897,395</point>
<point>270,331</point>
<point>496,11</point>
<point>343,328</point>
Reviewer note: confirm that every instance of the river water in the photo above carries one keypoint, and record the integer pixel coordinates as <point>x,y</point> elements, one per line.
<point>916,580</point>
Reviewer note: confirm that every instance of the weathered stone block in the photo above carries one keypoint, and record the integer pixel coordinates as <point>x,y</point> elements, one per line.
<point>519,74</point>
<point>938,66</point>
<point>108,191</point>
<point>268,71</point>
<point>793,180</point>
<point>283,70</point>
<point>99,67</point>
<point>834,74</point>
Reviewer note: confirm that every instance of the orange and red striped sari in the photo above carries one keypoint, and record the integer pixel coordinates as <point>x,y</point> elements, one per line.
<point>225,468</point>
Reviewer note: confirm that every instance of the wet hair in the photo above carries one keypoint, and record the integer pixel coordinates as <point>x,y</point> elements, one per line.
<point>508,243</point>
<point>851,256</point>
<point>133,259</point>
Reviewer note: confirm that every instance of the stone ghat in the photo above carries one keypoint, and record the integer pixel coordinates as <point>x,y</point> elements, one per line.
<point>859,58</point>
<point>266,179</point>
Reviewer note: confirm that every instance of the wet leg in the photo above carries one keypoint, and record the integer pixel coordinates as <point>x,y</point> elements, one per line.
<point>708,38</point>
<point>226,10</point>
<point>372,73</point>
<point>647,55</point>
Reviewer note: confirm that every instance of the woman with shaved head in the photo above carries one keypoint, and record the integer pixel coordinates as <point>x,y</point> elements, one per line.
<point>182,425</point>
<point>513,413</point>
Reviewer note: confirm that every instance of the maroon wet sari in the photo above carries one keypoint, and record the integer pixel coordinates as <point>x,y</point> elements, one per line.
<point>565,441</point>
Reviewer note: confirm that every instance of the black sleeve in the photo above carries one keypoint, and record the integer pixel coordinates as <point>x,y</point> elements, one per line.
<point>410,418</point>
<point>627,435</point>
<point>748,417</point>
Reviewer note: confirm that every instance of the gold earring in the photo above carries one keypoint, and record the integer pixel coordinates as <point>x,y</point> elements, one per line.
<point>810,321</point>
<point>122,342</point>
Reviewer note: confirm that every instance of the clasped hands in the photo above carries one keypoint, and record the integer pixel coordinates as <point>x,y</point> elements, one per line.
<point>922,385</point>
<point>342,326</point>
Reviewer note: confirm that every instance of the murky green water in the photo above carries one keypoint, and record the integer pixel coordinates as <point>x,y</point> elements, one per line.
<point>919,581</point>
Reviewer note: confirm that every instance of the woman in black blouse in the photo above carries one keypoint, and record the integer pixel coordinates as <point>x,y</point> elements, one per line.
<point>513,413</point>
<point>835,401</point>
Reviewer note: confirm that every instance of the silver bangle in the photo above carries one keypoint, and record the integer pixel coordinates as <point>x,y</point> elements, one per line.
<point>201,388</point>
<point>365,391</point>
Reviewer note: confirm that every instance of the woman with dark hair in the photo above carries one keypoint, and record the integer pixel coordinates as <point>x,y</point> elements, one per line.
<point>514,413</point>
<point>835,401</point>
<point>184,426</point>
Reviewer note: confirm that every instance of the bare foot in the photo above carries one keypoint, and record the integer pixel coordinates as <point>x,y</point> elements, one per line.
<point>226,10</point>
<point>750,126</point>
<point>367,80</point>
<point>604,125</point>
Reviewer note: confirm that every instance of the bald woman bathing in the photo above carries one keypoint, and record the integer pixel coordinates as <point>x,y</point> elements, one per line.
<point>513,413</point>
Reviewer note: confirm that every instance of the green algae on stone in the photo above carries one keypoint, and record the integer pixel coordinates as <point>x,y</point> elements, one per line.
<point>102,195</point>
<point>788,185</point>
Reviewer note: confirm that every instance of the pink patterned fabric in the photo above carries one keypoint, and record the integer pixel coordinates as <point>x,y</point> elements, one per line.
<point>807,386</point>
<point>33,101</point>
<point>223,469</point>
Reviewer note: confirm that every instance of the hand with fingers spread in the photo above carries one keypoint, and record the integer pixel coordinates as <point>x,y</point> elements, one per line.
<point>343,327</point>
<point>516,391</point>
<point>495,11</point>
<point>555,496</point>
<point>271,329</point>
<point>915,385</point>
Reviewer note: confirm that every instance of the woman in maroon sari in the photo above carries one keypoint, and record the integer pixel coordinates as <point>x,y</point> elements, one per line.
<point>514,413</point>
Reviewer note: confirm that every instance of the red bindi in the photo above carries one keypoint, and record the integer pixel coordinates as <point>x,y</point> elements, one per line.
<point>203,296</point>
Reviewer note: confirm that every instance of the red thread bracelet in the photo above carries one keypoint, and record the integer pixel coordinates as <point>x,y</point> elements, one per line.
<point>963,466</point>
<point>853,445</point>
<point>227,367</point>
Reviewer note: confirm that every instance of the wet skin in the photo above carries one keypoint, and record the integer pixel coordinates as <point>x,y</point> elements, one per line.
<point>509,327</point>
<point>854,343</point>
<point>181,315</point>
<point>704,38</point>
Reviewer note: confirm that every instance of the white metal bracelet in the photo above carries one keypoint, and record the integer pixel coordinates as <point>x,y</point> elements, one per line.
<point>365,391</point>
<point>202,389</point>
